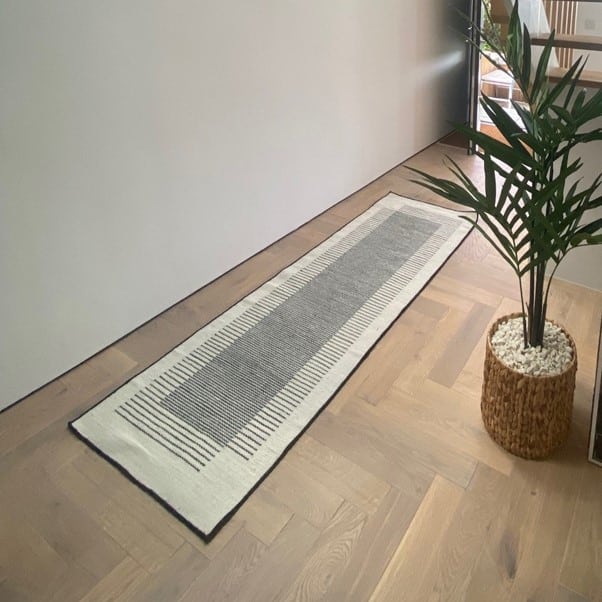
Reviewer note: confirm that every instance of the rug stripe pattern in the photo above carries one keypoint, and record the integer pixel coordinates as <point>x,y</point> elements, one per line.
<point>205,423</point>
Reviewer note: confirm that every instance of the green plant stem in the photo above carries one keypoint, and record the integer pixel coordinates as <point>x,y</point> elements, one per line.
<point>538,318</point>
<point>522,304</point>
<point>530,306</point>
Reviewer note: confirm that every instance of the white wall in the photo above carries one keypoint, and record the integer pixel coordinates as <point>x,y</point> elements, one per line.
<point>533,14</point>
<point>148,146</point>
<point>584,266</point>
<point>589,23</point>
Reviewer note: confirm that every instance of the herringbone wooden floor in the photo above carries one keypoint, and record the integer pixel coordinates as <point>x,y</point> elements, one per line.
<point>394,493</point>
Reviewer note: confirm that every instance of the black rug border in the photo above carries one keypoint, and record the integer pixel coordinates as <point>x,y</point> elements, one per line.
<point>208,537</point>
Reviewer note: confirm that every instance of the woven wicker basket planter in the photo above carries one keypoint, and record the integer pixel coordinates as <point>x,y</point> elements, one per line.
<point>529,416</point>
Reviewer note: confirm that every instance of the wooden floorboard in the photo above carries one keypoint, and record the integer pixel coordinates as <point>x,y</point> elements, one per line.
<point>395,492</point>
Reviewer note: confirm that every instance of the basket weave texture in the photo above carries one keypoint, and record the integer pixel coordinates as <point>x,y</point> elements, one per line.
<point>529,416</point>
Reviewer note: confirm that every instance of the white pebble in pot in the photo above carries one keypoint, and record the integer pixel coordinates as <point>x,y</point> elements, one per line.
<point>553,358</point>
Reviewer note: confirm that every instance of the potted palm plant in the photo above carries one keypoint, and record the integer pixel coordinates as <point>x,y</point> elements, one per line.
<point>533,210</point>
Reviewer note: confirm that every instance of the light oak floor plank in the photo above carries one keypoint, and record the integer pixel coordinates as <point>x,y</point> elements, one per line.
<point>223,579</point>
<point>264,516</point>
<point>173,579</point>
<point>582,562</point>
<point>433,453</point>
<point>339,474</point>
<point>365,447</point>
<point>378,541</point>
<point>459,348</point>
<point>418,550</point>
<point>447,578</point>
<point>330,556</point>
<point>564,594</point>
<point>279,566</point>
<point>120,584</point>
<point>440,420</point>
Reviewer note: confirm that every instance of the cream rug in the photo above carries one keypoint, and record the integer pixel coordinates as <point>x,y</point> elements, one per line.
<point>201,427</point>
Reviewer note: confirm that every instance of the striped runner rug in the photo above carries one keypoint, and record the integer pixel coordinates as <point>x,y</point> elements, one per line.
<point>201,427</point>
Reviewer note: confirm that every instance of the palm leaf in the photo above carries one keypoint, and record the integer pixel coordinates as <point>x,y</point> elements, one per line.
<point>532,208</point>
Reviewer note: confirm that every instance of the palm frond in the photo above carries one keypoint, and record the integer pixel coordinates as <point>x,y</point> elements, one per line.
<point>533,208</point>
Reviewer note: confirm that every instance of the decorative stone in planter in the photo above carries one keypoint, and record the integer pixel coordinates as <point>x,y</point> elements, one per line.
<point>529,416</point>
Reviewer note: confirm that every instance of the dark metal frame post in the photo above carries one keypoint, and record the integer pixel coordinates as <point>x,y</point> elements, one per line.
<point>474,59</point>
